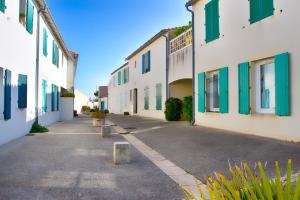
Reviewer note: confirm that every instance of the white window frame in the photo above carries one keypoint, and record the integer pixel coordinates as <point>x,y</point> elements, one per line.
<point>211,103</point>
<point>258,86</point>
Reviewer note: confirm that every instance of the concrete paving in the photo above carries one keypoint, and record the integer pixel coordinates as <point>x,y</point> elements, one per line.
<point>74,162</point>
<point>201,151</point>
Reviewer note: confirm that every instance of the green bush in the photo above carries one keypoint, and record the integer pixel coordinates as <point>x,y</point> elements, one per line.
<point>85,109</point>
<point>187,108</point>
<point>106,111</point>
<point>37,128</point>
<point>126,113</point>
<point>98,115</point>
<point>68,94</point>
<point>182,29</point>
<point>244,184</point>
<point>173,109</point>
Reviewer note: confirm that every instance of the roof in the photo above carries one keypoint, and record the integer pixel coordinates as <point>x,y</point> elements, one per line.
<point>46,14</point>
<point>124,65</point>
<point>103,91</point>
<point>153,39</point>
<point>191,2</point>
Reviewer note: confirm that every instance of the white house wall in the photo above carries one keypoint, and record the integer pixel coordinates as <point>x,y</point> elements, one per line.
<point>239,42</point>
<point>80,100</point>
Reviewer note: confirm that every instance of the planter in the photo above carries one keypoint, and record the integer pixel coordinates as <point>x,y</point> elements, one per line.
<point>66,108</point>
<point>105,131</point>
<point>96,122</point>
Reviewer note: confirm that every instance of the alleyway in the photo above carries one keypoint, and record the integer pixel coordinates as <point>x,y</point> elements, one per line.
<point>201,151</point>
<point>74,162</point>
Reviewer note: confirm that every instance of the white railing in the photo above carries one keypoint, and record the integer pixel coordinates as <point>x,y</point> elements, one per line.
<point>181,41</point>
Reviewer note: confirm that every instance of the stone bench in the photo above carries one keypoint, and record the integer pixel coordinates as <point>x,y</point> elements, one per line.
<point>121,153</point>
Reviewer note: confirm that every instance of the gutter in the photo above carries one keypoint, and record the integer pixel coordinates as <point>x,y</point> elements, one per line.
<point>37,69</point>
<point>187,5</point>
<point>167,66</point>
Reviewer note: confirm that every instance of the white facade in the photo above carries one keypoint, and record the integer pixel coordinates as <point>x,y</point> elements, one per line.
<point>80,100</point>
<point>18,55</point>
<point>240,41</point>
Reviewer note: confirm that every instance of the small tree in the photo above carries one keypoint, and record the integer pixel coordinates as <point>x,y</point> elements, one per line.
<point>187,108</point>
<point>173,109</point>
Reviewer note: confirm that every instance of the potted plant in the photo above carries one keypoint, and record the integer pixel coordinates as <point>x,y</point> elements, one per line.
<point>97,116</point>
<point>22,18</point>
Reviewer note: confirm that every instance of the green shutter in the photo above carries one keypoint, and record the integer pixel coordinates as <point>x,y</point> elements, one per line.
<point>149,61</point>
<point>223,72</point>
<point>7,95</point>
<point>146,98</point>
<point>53,53</point>
<point>212,20</point>
<point>22,91</point>
<point>44,96</point>
<point>119,78</point>
<point>53,98</point>
<point>158,96</point>
<point>57,98</point>
<point>201,92</point>
<point>260,9</point>
<point>45,42</point>
<point>29,17</point>
<point>143,63</point>
<point>2,6</point>
<point>282,85</point>
<point>244,88</point>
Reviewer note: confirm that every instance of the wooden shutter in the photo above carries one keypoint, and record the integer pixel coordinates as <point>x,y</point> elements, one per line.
<point>53,53</point>
<point>158,96</point>
<point>22,91</point>
<point>7,95</point>
<point>57,98</point>
<point>244,88</point>
<point>45,43</point>
<point>143,63</point>
<point>212,20</point>
<point>2,6</point>
<point>53,98</point>
<point>44,96</point>
<point>267,8</point>
<point>282,85</point>
<point>149,61</point>
<point>201,92</point>
<point>29,17</point>
<point>260,9</point>
<point>223,73</point>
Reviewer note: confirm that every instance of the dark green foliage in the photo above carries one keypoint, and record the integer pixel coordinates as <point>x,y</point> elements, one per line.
<point>182,29</point>
<point>126,113</point>
<point>187,108</point>
<point>68,94</point>
<point>106,111</point>
<point>37,128</point>
<point>173,109</point>
<point>85,109</point>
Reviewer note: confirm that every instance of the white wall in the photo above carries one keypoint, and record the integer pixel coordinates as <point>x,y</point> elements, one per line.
<point>239,41</point>
<point>80,100</point>
<point>67,106</point>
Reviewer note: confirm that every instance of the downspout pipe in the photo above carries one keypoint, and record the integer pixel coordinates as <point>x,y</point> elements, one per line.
<point>167,66</point>
<point>187,6</point>
<point>37,68</point>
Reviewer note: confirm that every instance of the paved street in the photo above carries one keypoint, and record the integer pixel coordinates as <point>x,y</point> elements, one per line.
<point>202,151</point>
<point>74,162</point>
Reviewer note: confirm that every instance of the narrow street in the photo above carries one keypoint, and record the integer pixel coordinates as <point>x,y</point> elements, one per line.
<point>74,162</point>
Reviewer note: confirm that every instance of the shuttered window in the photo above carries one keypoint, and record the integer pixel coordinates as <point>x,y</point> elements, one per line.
<point>7,95</point>
<point>212,20</point>
<point>22,91</point>
<point>260,9</point>
<point>2,6</point>
<point>44,96</point>
<point>54,98</point>
<point>55,54</point>
<point>201,92</point>
<point>45,42</point>
<point>223,74</point>
<point>146,62</point>
<point>119,78</point>
<point>146,98</point>
<point>282,85</point>
<point>29,17</point>
<point>158,96</point>
<point>244,88</point>
<point>57,98</point>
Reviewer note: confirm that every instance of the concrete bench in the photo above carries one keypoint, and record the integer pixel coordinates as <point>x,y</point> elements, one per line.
<point>105,131</point>
<point>121,153</point>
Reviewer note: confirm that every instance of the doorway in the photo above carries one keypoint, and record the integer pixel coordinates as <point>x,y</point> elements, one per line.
<point>135,101</point>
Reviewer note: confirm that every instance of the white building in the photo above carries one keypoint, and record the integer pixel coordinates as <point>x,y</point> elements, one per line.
<point>103,98</point>
<point>80,100</point>
<point>160,68</point>
<point>247,59</point>
<point>32,79</point>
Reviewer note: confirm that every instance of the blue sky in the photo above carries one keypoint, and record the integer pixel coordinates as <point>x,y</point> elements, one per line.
<point>104,32</point>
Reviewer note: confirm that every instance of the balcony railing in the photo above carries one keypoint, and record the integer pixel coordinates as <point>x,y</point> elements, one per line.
<point>181,41</point>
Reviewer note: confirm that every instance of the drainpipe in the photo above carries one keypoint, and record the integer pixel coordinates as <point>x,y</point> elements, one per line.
<point>167,66</point>
<point>187,5</point>
<point>37,68</point>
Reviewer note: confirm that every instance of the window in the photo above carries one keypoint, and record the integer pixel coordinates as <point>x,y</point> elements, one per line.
<point>260,9</point>
<point>1,93</point>
<point>7,95</point>
<point>2,6</point>
<point>212,91</point>
<point>158,96</point>
<point>22,91</point>
<point>119,78</point>
<point>54,98</point>
<point>44,96</point>
<point>126,75</point>
<point>146,98</point>
<point>45,42</point>
<point>265,82</point>
<point>212,20</point>
<point>146,62</point>
<point>55,54</point>
<point>26,14</point>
